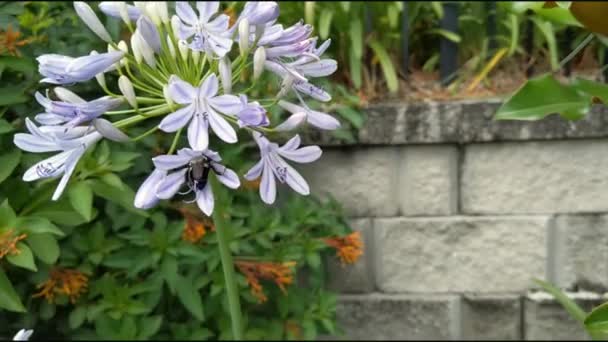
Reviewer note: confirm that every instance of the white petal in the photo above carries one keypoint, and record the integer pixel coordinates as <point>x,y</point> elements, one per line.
<point>322,120</point>
<point>206,9</point>
<point>268,188</point>
<point>70,166</point>
<point>209,87</point>
<point>185,12</point>
<point>170,184</point>
<point>32,143</point>
<point>229,178</point>
<point>306,154</point>
<point>226,104</point>
<point>292,143</point>
<point>205,200</point>
<point>177,120</point>
<point>222,128</point>
<point>198,133</point>
<point>180,91</point>
<point>105,128</point>
<point>255,171</point>
<point>50,163</point>
<point>145,198</point>
<point>169,162</point>
<point>296,181</point>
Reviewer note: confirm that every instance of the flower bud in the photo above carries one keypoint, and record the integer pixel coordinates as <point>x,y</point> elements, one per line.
<point>123,11</point>
<point>167,95</point>
<point>175,25</point>
<point>285,85</point>
<point>135,47</point>
<point>101,80</point>
<point>244,36</point>
<point>141,5</point>
<point>182,45</point>
<point>126,88</point>
<point>195,56</point>
<point>292,122</point>
<point>171,47</point>
<point>152,11</point>
<point>66,95</point>
<point>144,49</point>
<point>86,14</point>
<point>259,57</point>
<point>225,68</point>
<point>163,11</point>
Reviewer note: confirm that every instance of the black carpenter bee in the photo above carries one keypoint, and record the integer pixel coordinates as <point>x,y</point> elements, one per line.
<point>197,175</point>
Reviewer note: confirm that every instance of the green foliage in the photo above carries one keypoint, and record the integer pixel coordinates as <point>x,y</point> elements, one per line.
<point>143,279</point>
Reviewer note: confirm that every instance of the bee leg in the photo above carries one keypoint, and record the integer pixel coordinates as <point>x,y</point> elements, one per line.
<point>193,200</point>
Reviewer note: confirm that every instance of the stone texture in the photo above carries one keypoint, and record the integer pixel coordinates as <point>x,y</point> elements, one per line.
<point>361,179</point>
<point>491,317</point>
<point>466,121</point>
<point>580,244</point>
<point>401,317</point>
<point>545,319</point>
<point>428,183</point>
<point>459,253</point>
<point>356,278</point>
<point>535,177</point>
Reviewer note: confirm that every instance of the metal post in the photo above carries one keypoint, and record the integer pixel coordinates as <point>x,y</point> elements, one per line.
<point>529,42</point>
<point>448,50</point>
<point>405,40</point>
<point>491,26</point>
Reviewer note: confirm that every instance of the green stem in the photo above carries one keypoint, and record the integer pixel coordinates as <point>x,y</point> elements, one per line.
<point>175,140</point>
<point>227,264</point>
<point>575,52</point>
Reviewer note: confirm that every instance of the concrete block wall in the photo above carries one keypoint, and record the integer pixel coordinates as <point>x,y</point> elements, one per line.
<point>459,213</point>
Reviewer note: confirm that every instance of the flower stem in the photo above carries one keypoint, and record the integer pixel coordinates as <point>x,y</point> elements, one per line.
<point>227,263</point>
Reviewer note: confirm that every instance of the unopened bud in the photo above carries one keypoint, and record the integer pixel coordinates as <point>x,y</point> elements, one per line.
<point>126,88</point>
<point>123,11</point>
<point>175,24</point>
<point>195,56</point>
<point>259,57</point>
<point>171,47</point>
<point>244,36</point>
<point>167,95</point>
<point>225,69</point>
<point>182,45</point>
<point>152,11</point>
<point>135,47</point>
<point>86,13</point>
<point>66,95</point>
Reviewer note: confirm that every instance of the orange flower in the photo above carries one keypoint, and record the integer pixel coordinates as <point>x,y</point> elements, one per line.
<point>8,243</point>
<point>9,41</point>
<point>348,248</point>
<point>280,273</point>
<point>71,283</point>
<point>195,228</point>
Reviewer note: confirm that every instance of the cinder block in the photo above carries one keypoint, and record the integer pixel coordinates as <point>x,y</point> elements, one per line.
<point>358,277</point>
<point>362,179</point>
<point>459,253</point>
<point>429,180</point>
<point>491,317</point>
<point>399,317</point>
<point>535,177</point>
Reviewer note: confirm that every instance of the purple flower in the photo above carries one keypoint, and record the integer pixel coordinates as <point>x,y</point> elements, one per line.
<point>296,33</point>
<point>290,50</point>
<point>202,110</point>
<point>149,32</point>
<point>318,119</point>
<point>260,12</point>
<point>252,114</point>
<point>59,69</point>
<point>145,198</point>
<point>210,36</point>
<point>272,165</point>
<point>72,144</point>
<point>112,8</point>
<point>181,164</point>
<point>75,112</point>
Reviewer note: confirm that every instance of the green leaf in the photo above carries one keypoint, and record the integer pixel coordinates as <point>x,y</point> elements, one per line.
<point>12,95</point>
<point>38,225</point>
<point>5,127</point>
<point>9,299</point>
<point>596,322</point>
<point>513,25</point>
<point>45,247</point>
<point>546,29</point>
<point>542,96</point>
<point>24,259</point>
<point>169,271</point>
<point>7,215</point>
<point>8,163</point>
<point>119,194</point>
<point>77,317</point>
<point>571,307</point>
<point>354,117</point>
<point>190,297</point>
<point>356,37</point>
<point>81,198</point>
<point>149,327</point>
<point>355,68</point>
<point>592,88</point>
<point>387,66</point>
<point>60,212</point>
<point>325,23</point>
<point>449,35</point>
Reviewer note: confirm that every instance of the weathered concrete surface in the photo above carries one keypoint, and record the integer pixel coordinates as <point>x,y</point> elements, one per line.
<point>459,253</point>
<point>400,317</point>
<point>580,244</point>
<point>535,177</point>
<point>359,277</point>
<point>491,317</point>
<point>466,121</point>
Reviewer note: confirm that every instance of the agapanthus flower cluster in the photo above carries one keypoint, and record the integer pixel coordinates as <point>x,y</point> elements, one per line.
<point>190,73</point>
